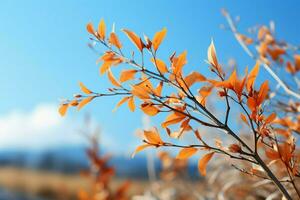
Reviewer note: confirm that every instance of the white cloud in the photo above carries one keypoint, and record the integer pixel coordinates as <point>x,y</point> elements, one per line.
<point>41,128</point>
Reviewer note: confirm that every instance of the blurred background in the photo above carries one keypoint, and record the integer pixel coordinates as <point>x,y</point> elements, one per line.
<point>44,54</point>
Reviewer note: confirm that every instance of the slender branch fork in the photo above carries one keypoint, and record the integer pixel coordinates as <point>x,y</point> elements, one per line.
<point>249,155</point>
<point>249,53</point>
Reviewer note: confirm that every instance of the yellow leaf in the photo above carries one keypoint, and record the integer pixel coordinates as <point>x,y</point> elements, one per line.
<point>185,153</point>
<point>121,102</point>
<point>203,162</point>
<point>135,39</point>
<point>160,65</point>
<point>63,109</point>
<point>90,28</point>
<point>84,102</point>
<point>252,76</point>
<point>140,148</point>
<point>149,109</point>
<point>113,39</point>
<point>158,38</point>
<point>153,137</point>
<point>131,104</point>
<point>112,79</point>
<point>101,29</point>
<point>84,89</point>
<point>127,75</point>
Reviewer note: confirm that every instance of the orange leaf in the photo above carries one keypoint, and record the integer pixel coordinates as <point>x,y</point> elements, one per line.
<point>251,103</point>
<point>158,89</point>
<point>179,62</point>
<point>161,66</point>
<point>149,109</point>
<point>203,162</point>
<point>252,76</point>
<point>90,28</point>
<point>105,66</point>
<point>244,118</point>
<point>140,148</point>
<point>112,79</point>
<point>153,137</point>
<point>127,75</point>
<point>158,38</point>
<point>121,102</point>
<point>135,39</point>
<point>101,29</point>
<point>63,109</point>
<point>193,78</point>
<point>84,102</point>
<point>185,153</point>
<point>263,92</point>
<point>173,118</point>
<point>131,104</point>
<point>140,91</point>
<point>84,89</point>
<point>113,39</point>
<point>270,118</point>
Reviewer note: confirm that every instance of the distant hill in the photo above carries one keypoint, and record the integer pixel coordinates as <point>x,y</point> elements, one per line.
<point>73,159</point>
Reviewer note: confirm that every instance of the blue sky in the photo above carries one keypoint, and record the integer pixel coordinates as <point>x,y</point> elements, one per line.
<point>44,53</point>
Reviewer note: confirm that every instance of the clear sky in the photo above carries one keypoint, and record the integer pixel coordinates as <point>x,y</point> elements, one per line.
<point>44,53</point>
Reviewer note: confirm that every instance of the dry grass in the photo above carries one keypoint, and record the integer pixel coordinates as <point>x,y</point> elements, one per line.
<point>51,184</point>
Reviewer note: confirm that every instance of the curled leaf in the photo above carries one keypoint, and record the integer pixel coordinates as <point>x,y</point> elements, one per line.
<point>135,39</point>
<point>140,148</point>
<point>113,79</point>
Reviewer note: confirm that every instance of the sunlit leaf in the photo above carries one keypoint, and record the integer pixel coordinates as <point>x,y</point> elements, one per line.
<point>127,75</point>
<point>193,78</point>
<point>161,66</point>
<point>63,109</point>
<point>112,79</point>
<point>158,38</point>
<point>122,101</point>
<point>101,29</point>
<point>185,153</point>
<point>113,39</point>
<point>90,28</point>
<point>84,89</point>
<point>85,101</point>
<point>252,76</point>
<point>153,137</point>
<point>149,109</point>
<point>135,39</point>
<point>140,148</point>
<point>131,104</point>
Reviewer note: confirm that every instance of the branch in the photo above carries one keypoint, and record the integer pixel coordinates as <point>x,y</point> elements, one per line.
<point>265,65</point>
